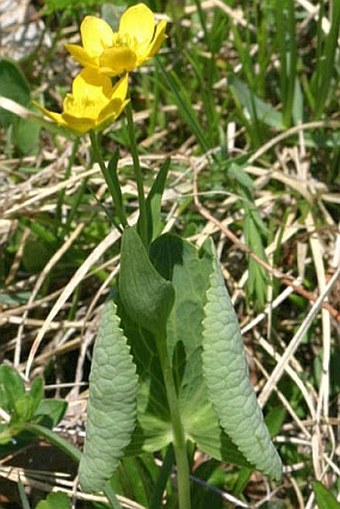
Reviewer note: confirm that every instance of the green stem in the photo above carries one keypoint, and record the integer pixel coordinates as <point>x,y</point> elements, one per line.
<point>180,446</point>
<point>111,496</point>
<point>138,174</point>
<point>53,438</point>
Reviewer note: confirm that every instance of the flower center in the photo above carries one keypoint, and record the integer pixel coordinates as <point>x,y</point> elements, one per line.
<point>125,41</point>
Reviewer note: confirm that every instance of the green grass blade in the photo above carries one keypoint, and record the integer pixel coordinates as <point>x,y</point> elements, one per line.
<point>326,63</point>
<point>184,105</point>
<point>286,40</point>
<point>325,499</point>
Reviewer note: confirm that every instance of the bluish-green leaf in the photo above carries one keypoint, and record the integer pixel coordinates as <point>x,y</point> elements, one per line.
<point>145,295</point>
<point>188,269</point>
<point>255,107</point>
<point>26,135</point>
<point>112,403</point>
<point>14,86</point>
<point>226,373</point>
<point>325,499</point>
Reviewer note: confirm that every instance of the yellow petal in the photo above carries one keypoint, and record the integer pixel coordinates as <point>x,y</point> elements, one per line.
<point>56,117</point>
<point>138,22</point>
<point>96,35</point>
<point>81,56</point>
<point>158,38</point>
<point>91,85</point>
<point>111,112</point>
<point>120,89</point>
<point>117,60</point>
<point>118,100</point>
<point>78,125</point>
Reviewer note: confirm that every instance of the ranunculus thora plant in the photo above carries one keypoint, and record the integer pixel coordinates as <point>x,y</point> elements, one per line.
<point>112,53</point>
<point>171,319</point>
<point>93,103</point>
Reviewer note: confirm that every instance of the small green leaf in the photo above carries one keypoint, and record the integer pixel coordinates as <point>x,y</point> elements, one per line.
<point>36,393</point>
<point>12,388</point>
<point>56,500</point>
<point>274,420</point>
<point>112,403</point>
<point>50,412</point>
<point>325,499</point>
<point>7,432</point>
<point>236,170</point>
<point>112,182</point>
<point>226,373</point>
<point>24,408</point>
<point>147,297</point>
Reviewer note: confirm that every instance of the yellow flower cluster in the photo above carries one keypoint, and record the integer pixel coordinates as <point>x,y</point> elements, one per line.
<point>95,101</point>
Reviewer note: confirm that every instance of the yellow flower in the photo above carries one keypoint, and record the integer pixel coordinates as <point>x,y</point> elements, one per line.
<point>94,102</point>
<point>112,53</point>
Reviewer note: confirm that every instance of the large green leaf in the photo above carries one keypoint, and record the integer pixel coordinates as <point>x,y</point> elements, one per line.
<point>181,263</point>
<point>14,86</point>
<point>112,403</point>
<point>153,429</point>
<point>188,269</point>
<point>226,373</point>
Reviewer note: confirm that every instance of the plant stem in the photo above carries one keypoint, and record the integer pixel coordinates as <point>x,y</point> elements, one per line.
<point>55,439</point>
<point>111,496</point>
<point>138,174</point>
<point>180,447</point>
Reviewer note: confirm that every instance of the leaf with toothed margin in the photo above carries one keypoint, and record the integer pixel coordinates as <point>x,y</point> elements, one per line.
<point>226,373</point>
<point>112,403</point>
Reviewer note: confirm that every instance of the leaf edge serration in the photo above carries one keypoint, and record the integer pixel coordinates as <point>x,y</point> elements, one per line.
<point>111,414</point>
<point>225,370</point>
